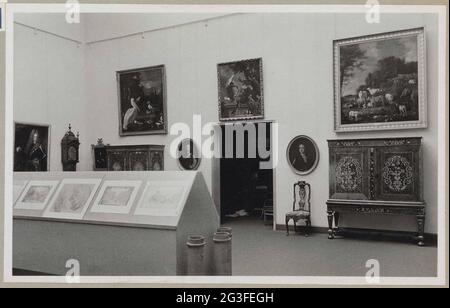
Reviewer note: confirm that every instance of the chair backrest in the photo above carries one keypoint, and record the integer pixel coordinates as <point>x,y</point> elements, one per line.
<point>302,196</point>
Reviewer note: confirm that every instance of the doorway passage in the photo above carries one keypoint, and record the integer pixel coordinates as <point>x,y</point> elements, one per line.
<point>246,186</point>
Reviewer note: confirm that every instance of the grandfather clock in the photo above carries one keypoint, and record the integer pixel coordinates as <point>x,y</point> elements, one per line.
<point>70,145</point>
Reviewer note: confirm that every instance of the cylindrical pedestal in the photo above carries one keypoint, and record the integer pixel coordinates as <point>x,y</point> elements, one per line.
<point>196,262</point>
<point>225,229</point>
<point>222,254</point>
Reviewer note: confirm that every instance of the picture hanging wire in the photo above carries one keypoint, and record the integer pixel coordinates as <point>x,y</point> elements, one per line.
<point>37,30</point>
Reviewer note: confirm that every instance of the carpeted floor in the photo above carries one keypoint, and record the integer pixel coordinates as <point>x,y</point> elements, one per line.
<point>258,250</point>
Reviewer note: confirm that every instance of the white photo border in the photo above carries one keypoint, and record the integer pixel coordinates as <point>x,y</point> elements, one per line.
<point>442,136</point>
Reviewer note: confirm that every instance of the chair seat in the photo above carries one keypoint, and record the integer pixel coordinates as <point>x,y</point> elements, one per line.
<point>298,214</point>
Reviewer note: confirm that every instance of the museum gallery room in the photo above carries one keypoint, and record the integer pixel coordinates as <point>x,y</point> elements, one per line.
<point>249,144</point>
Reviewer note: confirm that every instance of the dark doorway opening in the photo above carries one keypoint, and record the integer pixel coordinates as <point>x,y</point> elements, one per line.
<point>246,185</point>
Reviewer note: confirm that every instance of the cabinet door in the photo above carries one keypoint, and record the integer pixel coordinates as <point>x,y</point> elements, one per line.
<point>398,173</point>
<point>138,160</point>
<point>156,160</point>
<point>117,160</point>
<point>349,173</point>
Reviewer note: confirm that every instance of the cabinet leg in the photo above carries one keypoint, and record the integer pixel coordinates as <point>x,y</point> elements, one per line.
<point>330,225</point>
<point>336,223</point>
<point>421,230</point>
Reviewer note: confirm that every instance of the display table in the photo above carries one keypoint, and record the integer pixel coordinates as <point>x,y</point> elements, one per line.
<point>112,223</point>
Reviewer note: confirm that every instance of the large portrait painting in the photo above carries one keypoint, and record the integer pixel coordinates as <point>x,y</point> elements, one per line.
<point>116,197</point>
<point>162,198</point>
<point>36,195</point>
<point>72,198</point>
<point>142,101</point>
<point>380,81</point>
<point>240,90</point>
<point>31,147</point>
<point>302,155</point>
<point>188,155</point>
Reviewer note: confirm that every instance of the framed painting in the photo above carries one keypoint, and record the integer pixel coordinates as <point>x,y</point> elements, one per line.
<point>380,82</point>
<point>240,90</point>
<point>302,155</point>
<point>36,195</point>
<point>72,198</point>
<point>142,101</point>
<point>188,155</point>
<point>31,147</point>
<point>116,197</point>
<point>162,198</point>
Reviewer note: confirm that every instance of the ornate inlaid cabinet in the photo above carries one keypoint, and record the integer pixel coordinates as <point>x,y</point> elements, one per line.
<point>378,176</point>
<point>128,158</point>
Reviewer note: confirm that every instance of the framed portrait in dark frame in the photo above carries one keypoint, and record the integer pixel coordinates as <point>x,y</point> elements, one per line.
<point>240,90</point>
<point>302,155</point>
<point>31,147</point>
<point>188,155</point>
<point>142,101</point>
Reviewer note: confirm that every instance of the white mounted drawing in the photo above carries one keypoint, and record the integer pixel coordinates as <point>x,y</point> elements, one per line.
<point>162,198</point>
<point>36,195</point>
<point>116,197</point>
<point>72,198</point>
<point>18,187</point>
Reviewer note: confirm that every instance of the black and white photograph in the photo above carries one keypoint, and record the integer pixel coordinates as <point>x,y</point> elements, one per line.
<point>142,101</point>
<point>303,155</point>
<point>229,145</point>
<point>31,147</point>
<point>241,90</point>
<point>380,81</point>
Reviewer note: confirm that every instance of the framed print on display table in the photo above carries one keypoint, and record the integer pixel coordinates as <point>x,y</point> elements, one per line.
<point>162,198</point>
<point>31,147</point>
<point>302,155</point>
<point>36,195</point>
<point>142,101</point>
<point>116,197</point>
<point>18,186</point>
<point>380,81</point>
<point>240,90</point>
<point>72,198</point>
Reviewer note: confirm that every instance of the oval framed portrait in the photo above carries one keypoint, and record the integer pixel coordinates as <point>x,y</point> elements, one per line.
<point>188,155</point>
<point>303,155</point>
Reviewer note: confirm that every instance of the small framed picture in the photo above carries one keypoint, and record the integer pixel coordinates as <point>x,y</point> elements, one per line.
<point>142,101</point>
<point>188,155</point>
<point>36,195</point>
<point>31,147</point>
<point>162,198</point>
<point>72,198</point>
<point>116,197</point>
<point>380,81</point>
<point>241,90</point>
<point>303,155</point>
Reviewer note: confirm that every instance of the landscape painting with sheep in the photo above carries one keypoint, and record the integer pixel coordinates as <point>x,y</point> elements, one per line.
<point>379,80</point>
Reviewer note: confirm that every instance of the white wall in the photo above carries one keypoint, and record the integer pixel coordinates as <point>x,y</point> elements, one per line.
<point>298,90</point>
<point>49,89</point>
<point>104,26</point>
<point>54,23</point>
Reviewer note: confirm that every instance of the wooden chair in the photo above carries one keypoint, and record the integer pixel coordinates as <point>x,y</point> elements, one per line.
<point>301,209</point>
<point>268,210</point>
